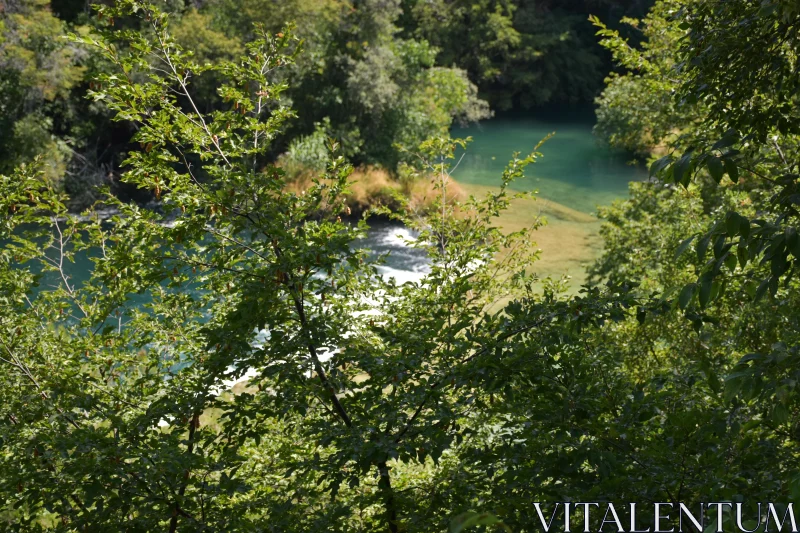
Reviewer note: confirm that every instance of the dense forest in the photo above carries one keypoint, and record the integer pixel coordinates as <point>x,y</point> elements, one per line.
<point>378,75</point>
<point>233,362</point>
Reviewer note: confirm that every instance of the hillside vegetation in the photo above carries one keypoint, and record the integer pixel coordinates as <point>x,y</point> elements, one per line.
<point>234,361</point>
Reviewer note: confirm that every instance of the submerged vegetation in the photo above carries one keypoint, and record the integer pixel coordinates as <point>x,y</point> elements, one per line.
<point>363,404</point>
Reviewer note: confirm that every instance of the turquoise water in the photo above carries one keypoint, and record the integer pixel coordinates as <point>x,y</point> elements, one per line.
<point>575,170</point>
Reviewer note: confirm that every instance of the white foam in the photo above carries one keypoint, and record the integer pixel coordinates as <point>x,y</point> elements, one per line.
<point>227,384</point>
<point>402,276</point>
<point>397,236</point>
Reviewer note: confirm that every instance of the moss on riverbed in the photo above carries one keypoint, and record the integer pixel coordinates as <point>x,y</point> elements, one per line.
<point>569,240</point>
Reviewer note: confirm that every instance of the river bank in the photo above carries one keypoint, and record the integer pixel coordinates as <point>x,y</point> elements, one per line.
<point>574,175</point>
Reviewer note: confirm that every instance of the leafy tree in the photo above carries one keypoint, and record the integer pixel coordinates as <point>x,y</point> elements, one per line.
<point>636,111</point>
<point>37,71</point>
<point>720,250</point>
<point>757,155</point>
<point>114,407</point>
<point>750,136</point>
<point>376,89</point>
<point>43,78</point>
<point>521,54</point>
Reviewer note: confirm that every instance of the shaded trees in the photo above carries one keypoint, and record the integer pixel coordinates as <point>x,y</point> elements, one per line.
<point>521,54</point>
<point>115,408</point>
<point>375,88</point>
<point>38,69</point>
<point>718,236</point>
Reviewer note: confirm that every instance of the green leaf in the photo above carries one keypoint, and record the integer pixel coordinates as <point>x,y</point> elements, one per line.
<point>742,254</point>
<point>702,247</point>
<point>780,414</point>
<point>705,291</point>
<point>686,295</point>
<point>732,223</point>
<point>659,165</point>
<point>732,387</point>
<point>715,168</point>
<point>731,169</point>
<point>681,169</point>
<point>719,246</point>
<point>730,261</point>
<point>793,241</point>
<point>719,288</point>
<point>729,138</point>
<point>749,357</point>
<point>683,246</point>
<point>773,285</point>
<point>744,227</point>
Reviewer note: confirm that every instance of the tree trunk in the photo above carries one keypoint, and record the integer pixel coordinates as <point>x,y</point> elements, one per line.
<point>385,485</point>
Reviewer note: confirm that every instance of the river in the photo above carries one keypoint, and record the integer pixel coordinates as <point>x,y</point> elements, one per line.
<point>575,174</point>
<point>576,171</point>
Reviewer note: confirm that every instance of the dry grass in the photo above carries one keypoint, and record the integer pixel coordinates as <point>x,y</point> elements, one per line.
<point>422,193</point>
<point>373,187</point>
<point>369,187</point>
<point>300,183</point>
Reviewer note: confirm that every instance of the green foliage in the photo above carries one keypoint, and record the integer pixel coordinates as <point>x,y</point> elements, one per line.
<point>745,135</point>
<point>521,54</point>
<point>384,90</point>
<point>115,408</point>
<point>756,91</point>
<point>309,152</point>
<point>636,111</point>
<point>377,90</point>
<point>714,240</point>
<point>37,70</point>
<point>736,125</point>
